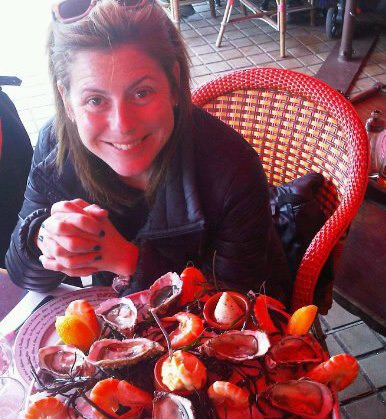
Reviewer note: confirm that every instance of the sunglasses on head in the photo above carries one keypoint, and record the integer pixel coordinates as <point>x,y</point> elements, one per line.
<point>68,11</point>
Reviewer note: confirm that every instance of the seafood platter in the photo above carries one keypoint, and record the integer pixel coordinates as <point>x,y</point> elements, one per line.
<point>186,349</point>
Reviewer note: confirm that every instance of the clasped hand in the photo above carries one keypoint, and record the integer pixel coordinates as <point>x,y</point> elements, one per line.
<point>78,239</point>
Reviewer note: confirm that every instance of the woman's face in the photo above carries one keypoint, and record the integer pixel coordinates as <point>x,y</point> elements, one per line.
<point>122,105</point>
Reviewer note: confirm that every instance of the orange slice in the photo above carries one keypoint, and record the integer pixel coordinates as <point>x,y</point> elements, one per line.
<point>85,311</point>
<point>72,330</point>
<point>301,320</point>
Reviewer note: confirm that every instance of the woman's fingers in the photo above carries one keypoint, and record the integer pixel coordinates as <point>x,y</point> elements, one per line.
<point>76,205</point>
<point>65,246</point>
<point>55,265</point>
<point>68,224</point>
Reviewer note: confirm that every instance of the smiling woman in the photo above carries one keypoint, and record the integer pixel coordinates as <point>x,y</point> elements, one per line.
<point>130,178</point>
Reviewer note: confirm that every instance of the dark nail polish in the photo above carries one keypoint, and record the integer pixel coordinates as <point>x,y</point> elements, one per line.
<point>97,248</point>
<point>102,233</point>
<point>43,225</point>
<point>40,238</point>
<point>99,257</point>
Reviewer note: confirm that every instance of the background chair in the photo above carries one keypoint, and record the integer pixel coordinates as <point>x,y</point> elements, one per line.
<point>173,8</point>
<point>276,18</point>
<point>298,124</point>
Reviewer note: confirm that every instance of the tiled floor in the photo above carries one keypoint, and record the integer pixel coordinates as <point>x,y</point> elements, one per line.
<point>246,44</point>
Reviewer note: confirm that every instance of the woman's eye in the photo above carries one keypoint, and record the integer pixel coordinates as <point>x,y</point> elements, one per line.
<point>94,101</point>
<point>142,94</point>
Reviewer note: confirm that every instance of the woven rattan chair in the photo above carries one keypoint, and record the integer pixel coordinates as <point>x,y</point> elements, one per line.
<point>298,124</point>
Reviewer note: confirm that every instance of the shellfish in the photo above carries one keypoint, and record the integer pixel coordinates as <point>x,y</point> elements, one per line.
<point>169,405</point>
<point>112,353</point>
<point>119,313</point>
<point>292,357</point>
<point>164,292</point>
<point>303,398</point>
<point>64,360</point>
<point>237,346</point>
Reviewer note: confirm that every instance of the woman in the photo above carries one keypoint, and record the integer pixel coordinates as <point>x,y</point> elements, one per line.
<point>140,181</point>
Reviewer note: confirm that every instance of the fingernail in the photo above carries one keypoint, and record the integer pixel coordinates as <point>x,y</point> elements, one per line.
<point>40,238</point>
<point>99,257</point>
<point>102,233</point>
<point>42,225</point>
<point>97,248</point>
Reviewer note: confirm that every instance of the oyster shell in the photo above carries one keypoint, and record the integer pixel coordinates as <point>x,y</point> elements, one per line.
<point>64,360</point>
<point>237,346</point>
<point>112,353</point>
<point>292,357</point>
<point>169,405</point>
<point>119,313</point>
<point>164,292</point>
<point>303,398</point>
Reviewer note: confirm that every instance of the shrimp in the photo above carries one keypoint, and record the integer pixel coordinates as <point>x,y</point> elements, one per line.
<point>339,371</point>
<point>47,407</point>
<point>189,329</point>
<point>224,392</point>
<point>112,394</point>
<point>260,310</point>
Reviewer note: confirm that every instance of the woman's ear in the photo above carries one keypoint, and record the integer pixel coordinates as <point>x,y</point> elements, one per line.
<point>66,103</point>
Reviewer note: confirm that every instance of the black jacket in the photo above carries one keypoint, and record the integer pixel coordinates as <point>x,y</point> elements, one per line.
<point>213,209</point>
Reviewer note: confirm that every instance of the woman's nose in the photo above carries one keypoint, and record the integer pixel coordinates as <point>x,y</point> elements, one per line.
<point>123,118</point>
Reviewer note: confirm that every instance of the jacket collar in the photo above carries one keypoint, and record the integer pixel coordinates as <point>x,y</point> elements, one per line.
<point>177,208</point>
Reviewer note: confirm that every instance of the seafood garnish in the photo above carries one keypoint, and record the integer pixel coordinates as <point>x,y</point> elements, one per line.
<point>120,314</point>
<point>189,329</point>
<point>64,360</point>
<point>47,407</point>
<point>164,292</point>
<point>183,371</point>
<point>112,353</point>
<point>110,394</point>
<point>292,357</point>
<point>169,405</point>
<point>224,392</point>
<point>304,398</point>
<point>237,346</point>
<point>339,371</point>
<point>227,310</point>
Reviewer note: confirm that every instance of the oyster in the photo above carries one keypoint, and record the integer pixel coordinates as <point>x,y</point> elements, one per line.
<point>112,353</point>
<point>169,405</point>
<point>292,357</point>
<point>164,292</point>
<point>237,346</point>
<point>119,313</point>
<point>303,398</point>
<point>64,360</point>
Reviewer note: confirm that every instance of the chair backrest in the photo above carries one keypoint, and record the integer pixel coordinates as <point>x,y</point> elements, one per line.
<point>298,124</point>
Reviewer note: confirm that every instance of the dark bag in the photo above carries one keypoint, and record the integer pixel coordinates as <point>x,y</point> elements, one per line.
<point>16,155</point>
<point>297,215</point>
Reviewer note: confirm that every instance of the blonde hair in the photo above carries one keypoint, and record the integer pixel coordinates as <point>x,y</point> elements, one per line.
<point>109,25</point>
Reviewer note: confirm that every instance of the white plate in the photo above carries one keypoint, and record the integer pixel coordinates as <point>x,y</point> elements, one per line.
<point>39,330</point>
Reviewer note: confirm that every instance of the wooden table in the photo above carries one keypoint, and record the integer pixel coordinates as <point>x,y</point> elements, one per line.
<point>360,283</point>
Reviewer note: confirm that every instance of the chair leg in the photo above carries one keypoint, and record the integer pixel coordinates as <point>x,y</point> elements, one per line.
<point>281,17</point>
<point>175,12</point>
<point>212,8</point>
<point>225,20</point>
<point>312,13</point>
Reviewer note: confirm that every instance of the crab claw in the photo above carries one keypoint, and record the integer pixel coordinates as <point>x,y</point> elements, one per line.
<point>339,371</point>
<point>303,398</point>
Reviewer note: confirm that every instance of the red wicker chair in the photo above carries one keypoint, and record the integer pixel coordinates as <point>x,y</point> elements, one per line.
<point>298,124</point>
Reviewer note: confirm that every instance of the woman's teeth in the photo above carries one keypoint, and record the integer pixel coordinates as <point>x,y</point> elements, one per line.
<point>126,146</point>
